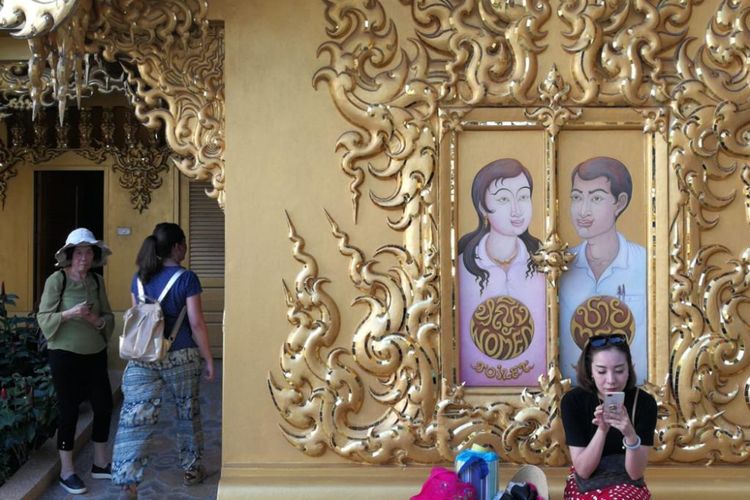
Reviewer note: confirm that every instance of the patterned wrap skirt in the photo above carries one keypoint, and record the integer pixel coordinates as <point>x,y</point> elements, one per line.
<point>623,491</point>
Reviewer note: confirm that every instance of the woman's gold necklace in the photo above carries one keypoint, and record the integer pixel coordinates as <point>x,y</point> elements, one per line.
<point>505,262</point>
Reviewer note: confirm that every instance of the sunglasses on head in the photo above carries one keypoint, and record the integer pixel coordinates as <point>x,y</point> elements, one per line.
<point>598,341</point>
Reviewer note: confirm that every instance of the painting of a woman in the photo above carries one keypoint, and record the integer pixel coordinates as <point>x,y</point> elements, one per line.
<point>501,293</point>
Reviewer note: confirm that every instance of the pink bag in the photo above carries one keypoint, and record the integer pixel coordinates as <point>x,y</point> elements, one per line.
<point>444,484</point>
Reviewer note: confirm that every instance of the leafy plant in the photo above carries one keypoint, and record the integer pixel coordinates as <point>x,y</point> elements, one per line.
<point>28,411</point>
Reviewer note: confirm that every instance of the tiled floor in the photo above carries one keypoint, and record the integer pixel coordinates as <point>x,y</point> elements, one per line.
<point>163,478</point>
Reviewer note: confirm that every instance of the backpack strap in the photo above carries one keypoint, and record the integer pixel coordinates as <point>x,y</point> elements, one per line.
<point>62,289</point>
<point>178,324</point>
<point>181,317</point>
<point>169,284</point>
<point>141,293</point>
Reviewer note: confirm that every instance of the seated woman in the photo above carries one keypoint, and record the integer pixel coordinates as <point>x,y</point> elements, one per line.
<point>609,449</point>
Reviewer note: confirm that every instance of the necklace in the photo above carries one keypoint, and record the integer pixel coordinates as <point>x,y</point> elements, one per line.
<point>505,262</point>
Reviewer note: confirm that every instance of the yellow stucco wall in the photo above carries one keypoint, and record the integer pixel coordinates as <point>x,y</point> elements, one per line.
<point>17,226</point>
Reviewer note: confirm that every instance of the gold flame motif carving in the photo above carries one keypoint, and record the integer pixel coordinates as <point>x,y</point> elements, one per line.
<point>402,101</point>
<point>554,91</point>
<point>622,48</point>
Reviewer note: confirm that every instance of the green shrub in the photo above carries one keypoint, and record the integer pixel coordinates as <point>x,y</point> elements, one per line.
<point>28,411</point>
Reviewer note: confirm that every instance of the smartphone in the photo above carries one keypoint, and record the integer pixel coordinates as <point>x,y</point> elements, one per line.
<point>613,400</point>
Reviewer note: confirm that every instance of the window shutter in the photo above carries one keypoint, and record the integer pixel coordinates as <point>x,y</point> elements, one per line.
<point>206,243</point>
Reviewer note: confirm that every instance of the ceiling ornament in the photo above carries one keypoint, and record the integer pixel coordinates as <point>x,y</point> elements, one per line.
<point>56,32</point>
<point>140,166</point>
<point>139,156</point>
<point>377,394</point>
<point>172,57</point>
<point>98,76</point>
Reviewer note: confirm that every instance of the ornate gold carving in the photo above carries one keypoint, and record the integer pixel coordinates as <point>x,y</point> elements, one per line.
<point>172,57</point>
<point>554,91</point>
<point>140,167</point>
<point>526,430</point>
<point>553,258</point>
<point>402,103</point>
<point>709,366</point>
<point>621,49</point>
<point>15,84</point>
<point>492,47</point>
<point>502,327</point>
<point>140,163</point>
<point>8,160</point>
<point>654,120</point>
<point>175,69</point>
<point>63,50</point>
<point>30,18</point>
<point>393,343</point>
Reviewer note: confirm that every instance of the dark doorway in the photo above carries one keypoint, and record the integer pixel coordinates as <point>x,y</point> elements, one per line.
<point>64,200</point>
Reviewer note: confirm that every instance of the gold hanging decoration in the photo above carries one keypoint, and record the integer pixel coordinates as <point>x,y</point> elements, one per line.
<point>172,57</point>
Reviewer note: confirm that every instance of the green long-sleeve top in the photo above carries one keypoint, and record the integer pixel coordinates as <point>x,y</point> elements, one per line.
<point>76,334</point>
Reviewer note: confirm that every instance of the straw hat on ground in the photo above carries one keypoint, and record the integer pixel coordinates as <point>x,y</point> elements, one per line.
<point>534,475</point>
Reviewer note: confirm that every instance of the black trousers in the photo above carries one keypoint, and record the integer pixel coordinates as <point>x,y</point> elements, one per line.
<point>77,378</point>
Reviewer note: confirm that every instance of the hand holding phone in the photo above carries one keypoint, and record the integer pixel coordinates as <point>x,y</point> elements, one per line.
<point>613,401</point>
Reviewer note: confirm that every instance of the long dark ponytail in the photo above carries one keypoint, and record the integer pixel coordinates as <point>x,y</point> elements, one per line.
<point>504,168</point>
<point>157,247</point>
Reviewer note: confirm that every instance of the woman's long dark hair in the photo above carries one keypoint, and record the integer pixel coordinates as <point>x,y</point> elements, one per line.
<point>583,368</point>
<point>504,168</point>
<point>157,247</point>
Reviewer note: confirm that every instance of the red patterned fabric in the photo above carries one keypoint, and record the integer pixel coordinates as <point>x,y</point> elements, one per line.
<point>616,492</point>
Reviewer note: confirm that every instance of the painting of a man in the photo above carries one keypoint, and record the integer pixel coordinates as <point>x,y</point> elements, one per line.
<point>501,293</point>
<point>605,264</point>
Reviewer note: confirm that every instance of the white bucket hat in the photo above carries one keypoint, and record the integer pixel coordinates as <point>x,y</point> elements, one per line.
<point>82,236</point>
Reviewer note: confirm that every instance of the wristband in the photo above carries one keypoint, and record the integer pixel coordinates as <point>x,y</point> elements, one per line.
<point>633,446</point>
<point>104,323</point>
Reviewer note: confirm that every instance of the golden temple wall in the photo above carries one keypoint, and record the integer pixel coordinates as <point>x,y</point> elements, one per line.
<point>356,319</point>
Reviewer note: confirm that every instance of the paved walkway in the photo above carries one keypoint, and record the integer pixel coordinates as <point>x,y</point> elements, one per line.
<point>163,478</point>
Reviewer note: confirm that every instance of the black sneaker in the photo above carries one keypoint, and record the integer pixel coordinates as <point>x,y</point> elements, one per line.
<point>194,475</point>
<point>73,485</point>
<point>101,472</point>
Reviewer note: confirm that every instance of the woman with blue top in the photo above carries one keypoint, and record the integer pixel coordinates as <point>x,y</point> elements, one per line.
<point>143,382</point>
<point>77,321</point>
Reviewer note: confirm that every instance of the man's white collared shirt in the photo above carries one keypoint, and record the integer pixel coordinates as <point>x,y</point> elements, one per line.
<point>624,278</point>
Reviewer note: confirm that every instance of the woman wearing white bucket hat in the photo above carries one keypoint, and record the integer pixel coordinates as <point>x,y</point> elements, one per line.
<point>77,321</point>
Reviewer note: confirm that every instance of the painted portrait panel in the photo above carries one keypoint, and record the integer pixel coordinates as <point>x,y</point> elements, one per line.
<point>604,289</point>
<point>501,299</point>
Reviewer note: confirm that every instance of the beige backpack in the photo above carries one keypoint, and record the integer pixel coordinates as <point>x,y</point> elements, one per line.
<point>142,337</point>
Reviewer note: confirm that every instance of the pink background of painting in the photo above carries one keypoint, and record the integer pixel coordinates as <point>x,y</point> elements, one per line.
<point>475,150</point>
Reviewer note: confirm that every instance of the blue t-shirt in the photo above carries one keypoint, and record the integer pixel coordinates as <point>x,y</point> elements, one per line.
<point>186,286</point>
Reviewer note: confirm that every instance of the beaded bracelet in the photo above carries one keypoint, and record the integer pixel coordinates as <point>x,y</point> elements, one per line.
<point>633,446</point>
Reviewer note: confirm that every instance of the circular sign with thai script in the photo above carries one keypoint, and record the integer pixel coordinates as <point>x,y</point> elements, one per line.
<point>502,327</point>
<point>601,315</point>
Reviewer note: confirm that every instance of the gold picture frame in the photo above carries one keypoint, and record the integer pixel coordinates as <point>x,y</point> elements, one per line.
<point>652,201</point>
